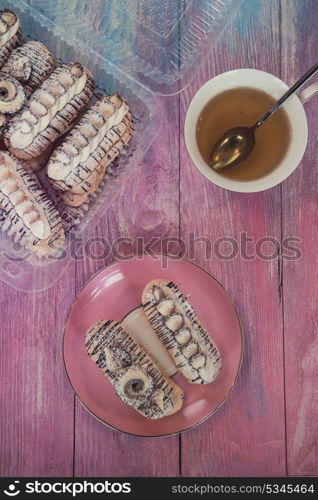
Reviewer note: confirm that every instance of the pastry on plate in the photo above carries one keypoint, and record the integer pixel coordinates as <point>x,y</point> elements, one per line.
<point>179,329</point>
<point>137,380</point>
<point>50,111</point>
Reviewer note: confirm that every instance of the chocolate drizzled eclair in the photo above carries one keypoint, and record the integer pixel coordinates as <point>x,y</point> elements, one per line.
<point>49,111</point>
<point>27,214</point>
<point>31,64</point>
<point>10,34</point>
<point>78,195</point>
<point>79,163</point>
<point>136,379</point>
<point>12,95</point>
<point>175,321</point>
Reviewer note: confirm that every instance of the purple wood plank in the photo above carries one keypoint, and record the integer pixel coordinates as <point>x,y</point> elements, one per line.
<point>300,219</point>
<point>247,435</point>
<point>36,401</point>
<point>146,207</point>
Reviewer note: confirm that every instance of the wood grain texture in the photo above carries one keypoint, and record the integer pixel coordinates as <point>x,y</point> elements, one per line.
<point>247,436</point>
<point>36,401</point>
<point>146,207</point>
<point>300,277</point>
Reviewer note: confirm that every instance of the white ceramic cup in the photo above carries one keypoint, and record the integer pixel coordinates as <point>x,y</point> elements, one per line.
<point>272,85</point>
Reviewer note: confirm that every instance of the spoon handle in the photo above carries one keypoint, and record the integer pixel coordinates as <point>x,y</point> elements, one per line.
<point>289,92</point>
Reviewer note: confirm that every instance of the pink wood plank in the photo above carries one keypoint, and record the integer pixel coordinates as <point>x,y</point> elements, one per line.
<point>247,436</point>
<point>36,402</point>
<point>146,207</point>
<point>300,219</point>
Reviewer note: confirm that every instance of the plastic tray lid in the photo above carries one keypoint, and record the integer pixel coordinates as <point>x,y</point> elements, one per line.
<point>156,42</point>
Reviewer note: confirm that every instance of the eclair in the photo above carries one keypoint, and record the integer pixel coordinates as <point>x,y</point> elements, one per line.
<point>50,111</point>
<point>27,214</point>
<point>10,34</point>
<point>176,323</point>
<point>12,95</point>
<point>77,166</point>
<point>78,195</point>
<point>137,380</point>
<point>30,64</point>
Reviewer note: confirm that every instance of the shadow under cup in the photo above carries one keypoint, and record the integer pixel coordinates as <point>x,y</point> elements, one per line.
<point>224,90</point>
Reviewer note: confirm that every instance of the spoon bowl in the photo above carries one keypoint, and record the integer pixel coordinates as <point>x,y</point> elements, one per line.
<point>232,148</point>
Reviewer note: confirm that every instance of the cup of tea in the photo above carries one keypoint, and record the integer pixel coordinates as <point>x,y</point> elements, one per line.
<point>239,98</point>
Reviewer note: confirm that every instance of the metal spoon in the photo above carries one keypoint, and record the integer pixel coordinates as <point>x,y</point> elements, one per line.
<point>238,143</point>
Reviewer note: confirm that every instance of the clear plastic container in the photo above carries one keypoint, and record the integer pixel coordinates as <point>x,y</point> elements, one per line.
<point>134,47</point>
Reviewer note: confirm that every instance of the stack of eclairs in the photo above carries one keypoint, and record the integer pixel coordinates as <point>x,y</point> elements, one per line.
<point>50,118</point>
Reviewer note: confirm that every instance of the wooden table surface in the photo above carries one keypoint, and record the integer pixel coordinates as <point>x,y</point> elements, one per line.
<point>268,426</point>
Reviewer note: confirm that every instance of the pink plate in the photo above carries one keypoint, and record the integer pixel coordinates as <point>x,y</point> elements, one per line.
<point>115,291</point>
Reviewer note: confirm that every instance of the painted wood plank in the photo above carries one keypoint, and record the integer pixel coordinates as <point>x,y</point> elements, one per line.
<point>36,401</point>
<point>146,207</point>
<point>247,435</point>
<point>300,277</point>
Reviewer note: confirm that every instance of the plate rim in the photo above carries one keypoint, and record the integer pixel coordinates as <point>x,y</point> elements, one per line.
<point>204,419</point>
